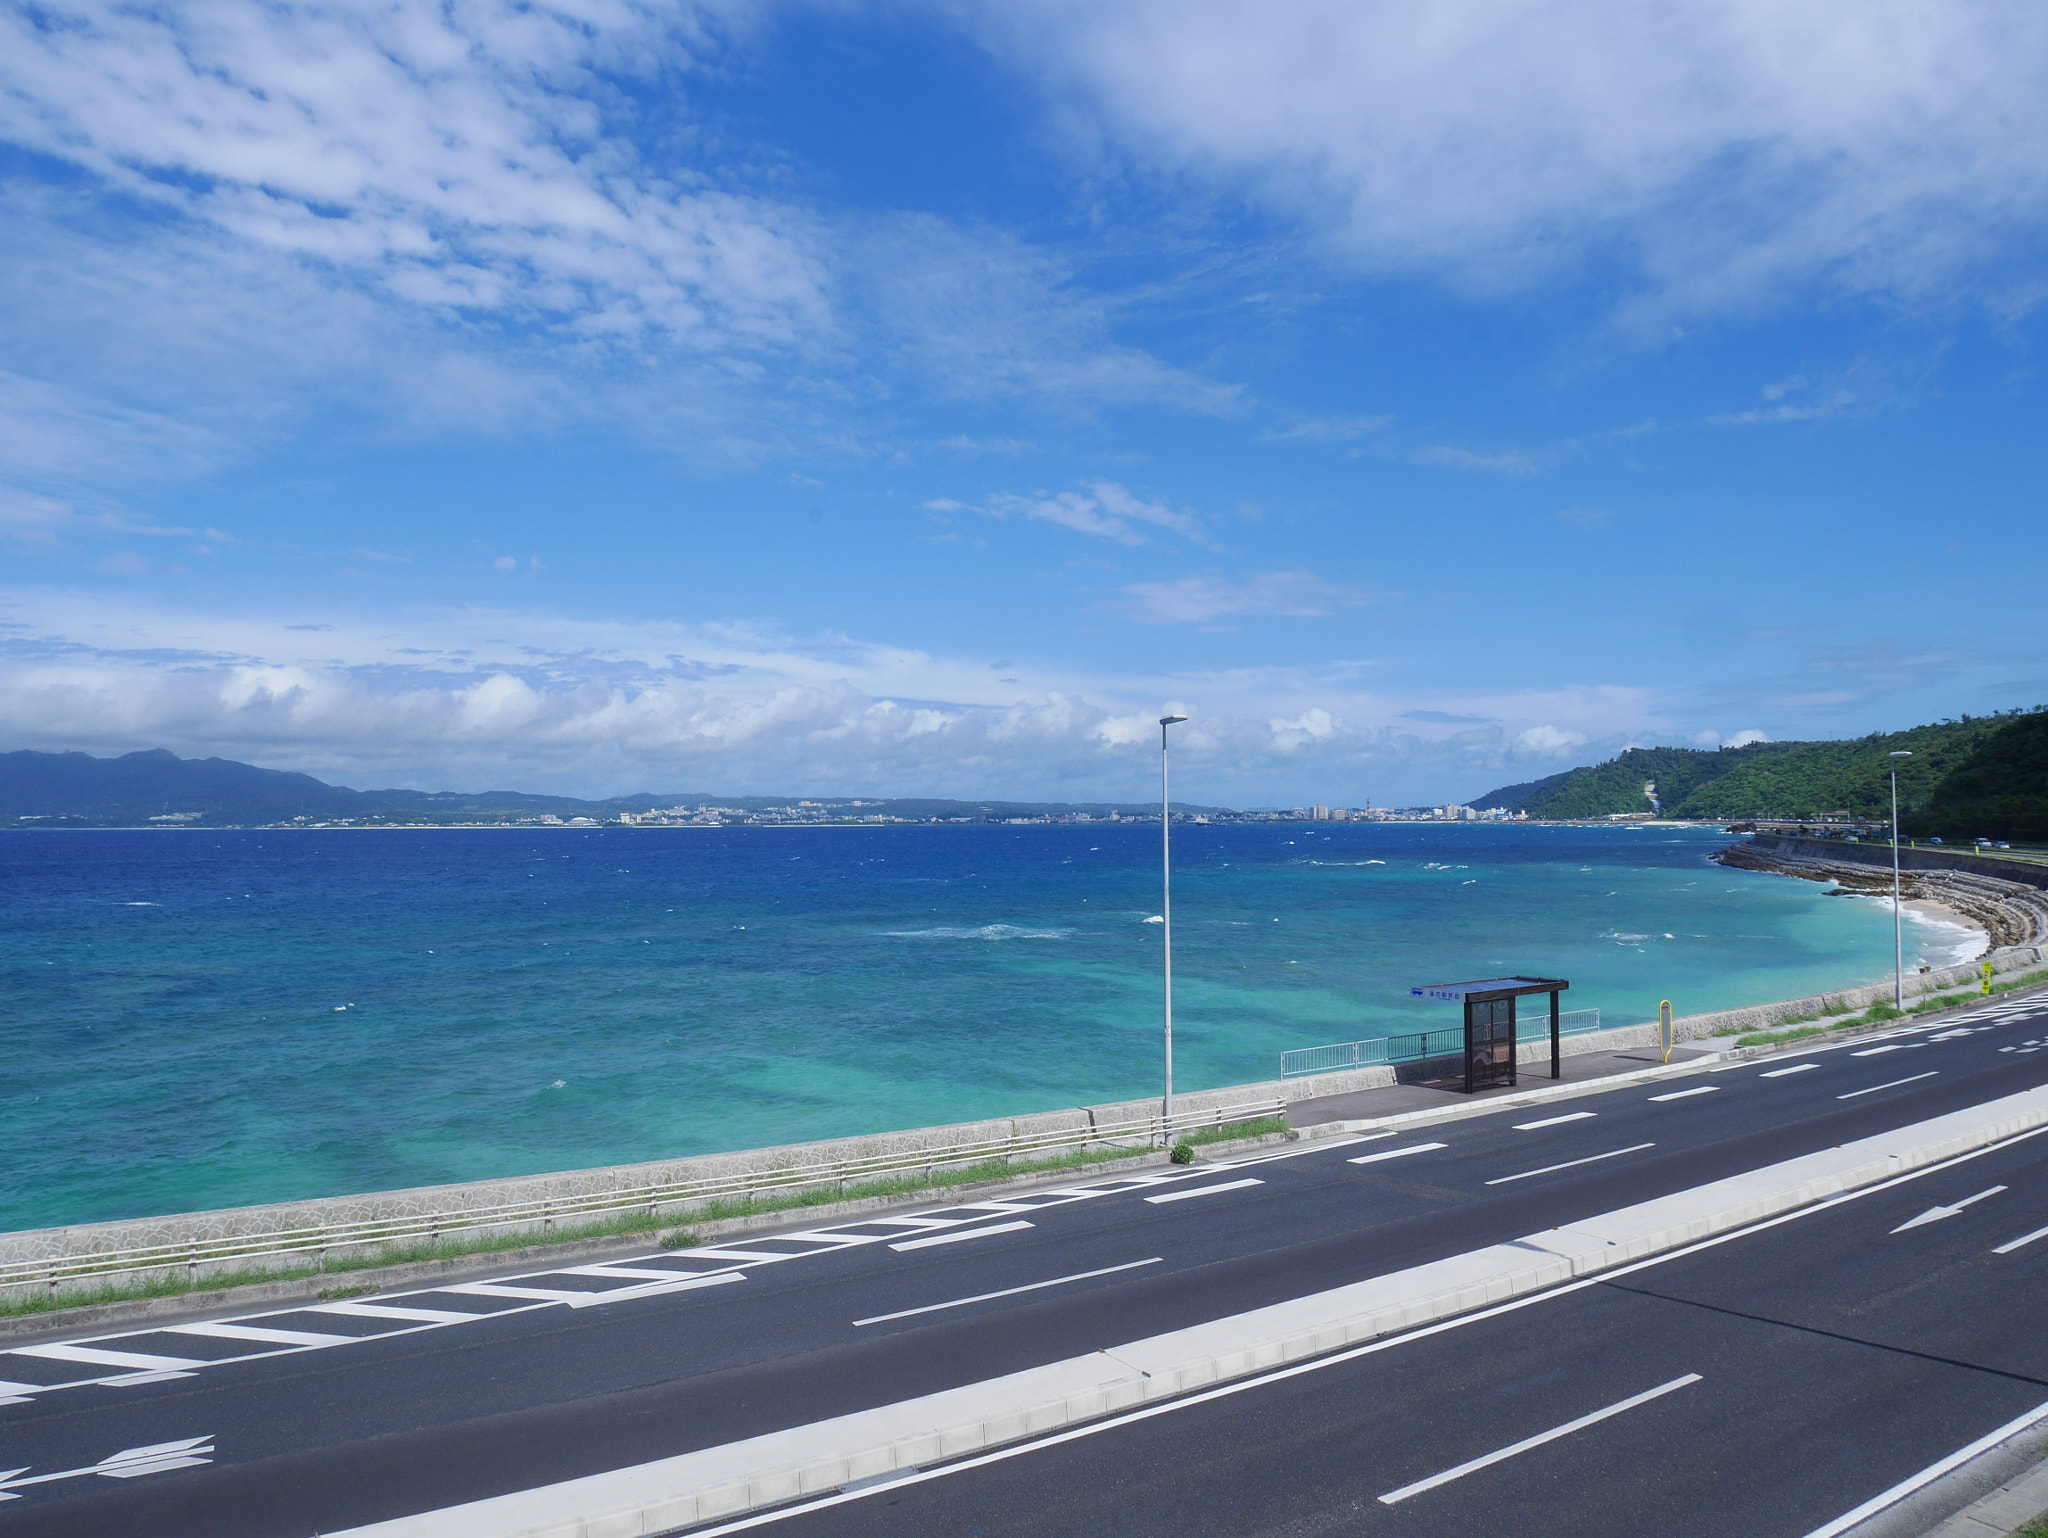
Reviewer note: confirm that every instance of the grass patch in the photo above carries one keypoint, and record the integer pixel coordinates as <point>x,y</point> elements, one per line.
<point>1877,1014</point>
<point>2038,1528</point>
<point>1258,1126</point>
<point>172,1286</point>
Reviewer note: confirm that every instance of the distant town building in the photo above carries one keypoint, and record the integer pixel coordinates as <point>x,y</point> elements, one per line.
<point>1319,814</point>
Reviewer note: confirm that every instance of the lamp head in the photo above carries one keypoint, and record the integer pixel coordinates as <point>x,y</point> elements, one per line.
<point>1170,720</point>
<point>1898,755</point>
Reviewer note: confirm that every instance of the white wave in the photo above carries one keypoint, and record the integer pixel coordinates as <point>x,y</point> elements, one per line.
<point>984,932</point>
<point>138,905</point>
<point>1620,938</point>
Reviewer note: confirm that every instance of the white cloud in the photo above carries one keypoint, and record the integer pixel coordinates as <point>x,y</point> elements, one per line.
<point>1744,739</point>
<point>1728,149</point>
<point>1549,740</point>
<point>1200,600</point>
<point>464,156</point>
<point>453,698</point>
<point>1105,509</point>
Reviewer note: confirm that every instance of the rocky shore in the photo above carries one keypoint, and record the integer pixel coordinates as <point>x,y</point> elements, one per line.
<point>2010,912</point>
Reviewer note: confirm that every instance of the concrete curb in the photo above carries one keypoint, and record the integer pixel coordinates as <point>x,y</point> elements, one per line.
<point>2012,1506</point>
<point>871,1445</point>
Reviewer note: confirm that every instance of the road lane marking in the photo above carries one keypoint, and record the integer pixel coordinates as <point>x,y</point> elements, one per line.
<point>2003,1249</point>
<point>1261,1380</point>
<point>524,1294</point>
<point>1181,1196</point>
<point>1569,1163</point>
<point>1894,1084</point>
<point>1529,1443</point>
<point>1779,1073</point>
<point>1936,1214</point>
<point>129,1463</point>
<point>392,1312</point>
<point>256,1333</point>
<point>93,1356</point>
<point>626,1273</point>
<point>960,1233</point>
<point>1928,1475</point>
<point>1686,1094</point>
<point>1897,1046</point>
<point>1007,1292</point>
<point>1553,1121</point>
<point>652,1289</point>
<point>1397,1153</point>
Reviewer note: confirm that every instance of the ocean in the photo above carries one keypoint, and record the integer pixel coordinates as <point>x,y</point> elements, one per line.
<point>203,1019</point>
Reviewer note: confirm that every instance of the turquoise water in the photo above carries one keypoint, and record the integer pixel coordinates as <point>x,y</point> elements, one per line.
<point>208,1019</point>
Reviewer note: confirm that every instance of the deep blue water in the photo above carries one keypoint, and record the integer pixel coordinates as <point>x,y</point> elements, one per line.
<point>204,1019</point>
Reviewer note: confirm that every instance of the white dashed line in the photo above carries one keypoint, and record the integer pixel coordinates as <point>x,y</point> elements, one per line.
<point>1553,1121</point>
<point>1181,1196</point>
<point>1686,1094</point>
<point>1397,1153</point>
<point>1779,1073</point>
<point>1894,1084</point>
<point>959,1234</point>
<point>1570,1163</point>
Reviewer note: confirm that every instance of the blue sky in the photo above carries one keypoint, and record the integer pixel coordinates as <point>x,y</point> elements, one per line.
<point>916,398</point>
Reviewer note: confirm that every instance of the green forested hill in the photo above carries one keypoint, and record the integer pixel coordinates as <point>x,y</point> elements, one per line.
<point>2000,792</point>
<point>1989,772</point>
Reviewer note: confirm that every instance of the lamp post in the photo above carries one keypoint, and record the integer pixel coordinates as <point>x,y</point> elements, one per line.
<point>1166,916</point>
<point>1898,932</point>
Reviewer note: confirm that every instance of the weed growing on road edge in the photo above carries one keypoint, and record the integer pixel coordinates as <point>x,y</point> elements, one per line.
<point>1877,1014</point>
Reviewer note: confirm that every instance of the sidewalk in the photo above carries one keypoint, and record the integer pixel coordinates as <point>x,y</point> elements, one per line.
<point>1367,1104</point>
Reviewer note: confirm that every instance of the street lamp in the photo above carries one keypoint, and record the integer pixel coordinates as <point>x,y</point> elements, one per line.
<point>1898,935</point>
<point>1166,914</point>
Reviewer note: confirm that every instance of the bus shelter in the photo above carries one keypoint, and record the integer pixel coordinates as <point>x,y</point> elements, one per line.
<point>1490,1024</point>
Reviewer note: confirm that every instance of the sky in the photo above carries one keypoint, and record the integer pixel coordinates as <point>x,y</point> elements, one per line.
<point>923,397</point>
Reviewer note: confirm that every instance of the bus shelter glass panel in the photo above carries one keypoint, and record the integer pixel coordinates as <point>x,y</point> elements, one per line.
<point>1489,1043</point>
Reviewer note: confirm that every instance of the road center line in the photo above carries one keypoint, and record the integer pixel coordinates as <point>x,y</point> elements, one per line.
<point>1686,1094</point>
<point>2007,1249</point>
<point>1008,1292</point>
<point>1569,1163</point>
<point>1893,1085</point>
<point>1397,1153</point>
<point>1402,1494</point>
<point>961,1233</point>
<point>1553,1121</point>
<point>1181,1196</point>
<point>1779,1073</point>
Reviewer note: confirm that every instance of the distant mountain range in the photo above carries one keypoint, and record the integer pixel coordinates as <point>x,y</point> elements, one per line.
<point>78,790</point>
<point>1982,776</point>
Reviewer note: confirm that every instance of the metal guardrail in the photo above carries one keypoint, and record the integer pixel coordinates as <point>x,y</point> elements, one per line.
<point>314,1242</point>
<point>1421,1045</point>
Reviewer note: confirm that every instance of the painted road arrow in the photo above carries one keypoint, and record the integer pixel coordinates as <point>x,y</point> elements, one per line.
<point>1936,1214</point>
<point>129,1463</point>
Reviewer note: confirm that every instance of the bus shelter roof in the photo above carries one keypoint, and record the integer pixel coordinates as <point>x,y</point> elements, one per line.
<point>1490,988</point>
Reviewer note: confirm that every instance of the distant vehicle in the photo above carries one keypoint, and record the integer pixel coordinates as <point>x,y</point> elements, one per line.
<point>2003,845</point>
<point>1934,841</point>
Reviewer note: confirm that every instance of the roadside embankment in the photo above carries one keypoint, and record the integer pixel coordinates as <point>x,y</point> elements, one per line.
<point>2006,897</point>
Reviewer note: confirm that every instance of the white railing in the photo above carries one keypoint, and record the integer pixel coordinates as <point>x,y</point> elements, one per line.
<point>312,1244</point>
<point>1419,1045</point>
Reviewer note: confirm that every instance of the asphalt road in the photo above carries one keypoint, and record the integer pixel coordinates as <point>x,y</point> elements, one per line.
<point>311,1420</point>
<point>1830,1358</point>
